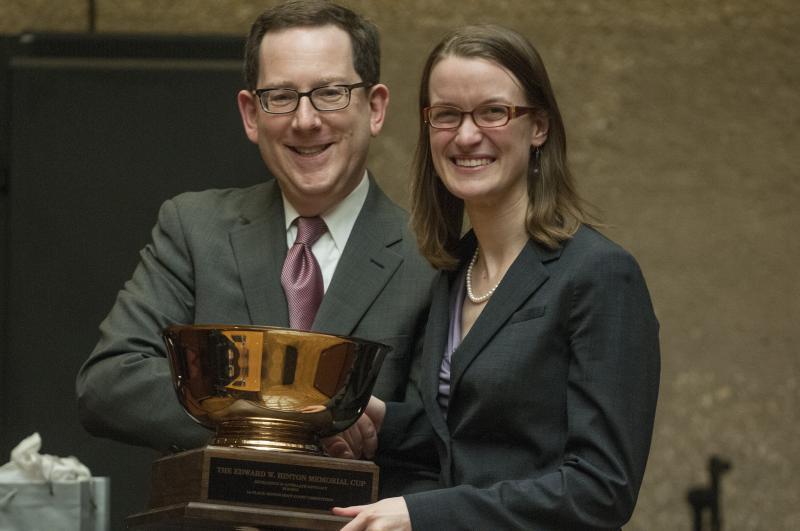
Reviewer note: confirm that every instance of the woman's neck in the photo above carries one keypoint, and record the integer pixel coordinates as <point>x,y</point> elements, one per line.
<point>501,234</point>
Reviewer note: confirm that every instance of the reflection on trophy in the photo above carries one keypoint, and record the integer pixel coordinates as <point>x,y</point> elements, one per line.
<point>270,394</point>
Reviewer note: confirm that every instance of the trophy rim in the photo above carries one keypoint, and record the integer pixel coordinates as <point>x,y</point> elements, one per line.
<point>266,328</point>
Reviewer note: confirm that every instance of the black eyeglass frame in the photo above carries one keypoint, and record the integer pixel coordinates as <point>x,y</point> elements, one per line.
<point>259,92</point>
<point>512,111</point>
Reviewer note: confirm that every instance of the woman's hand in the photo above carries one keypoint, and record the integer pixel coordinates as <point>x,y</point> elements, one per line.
<point>385,515</point>
<point>361,439</point>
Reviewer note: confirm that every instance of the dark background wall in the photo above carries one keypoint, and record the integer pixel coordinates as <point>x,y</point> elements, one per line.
<point>683,122</point>
<point>100,132</point>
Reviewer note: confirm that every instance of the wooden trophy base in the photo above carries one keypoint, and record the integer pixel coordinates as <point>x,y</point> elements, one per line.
<point>228,488</point>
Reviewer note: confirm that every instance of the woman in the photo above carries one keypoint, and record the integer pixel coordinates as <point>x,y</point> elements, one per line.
<point>540,370</point>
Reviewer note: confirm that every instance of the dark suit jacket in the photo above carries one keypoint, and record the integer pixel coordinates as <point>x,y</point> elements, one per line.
<point>553,395</point>
<point>216,257</point>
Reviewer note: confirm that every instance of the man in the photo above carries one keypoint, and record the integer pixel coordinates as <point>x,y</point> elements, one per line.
<point>312,104</point>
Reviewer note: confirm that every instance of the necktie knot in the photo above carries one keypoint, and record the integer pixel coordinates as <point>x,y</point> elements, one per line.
<point>309,230</point>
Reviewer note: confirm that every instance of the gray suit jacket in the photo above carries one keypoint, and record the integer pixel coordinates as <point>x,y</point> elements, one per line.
<point>216,257</point>
<point>553,395</point>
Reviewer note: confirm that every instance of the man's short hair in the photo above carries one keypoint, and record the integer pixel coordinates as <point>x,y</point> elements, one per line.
<point>363,34</point>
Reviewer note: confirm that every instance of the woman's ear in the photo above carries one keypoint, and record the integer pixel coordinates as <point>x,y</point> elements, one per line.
<point>541,126</point>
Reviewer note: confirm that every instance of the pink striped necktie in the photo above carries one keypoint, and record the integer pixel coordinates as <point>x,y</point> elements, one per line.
<point>301,276</point>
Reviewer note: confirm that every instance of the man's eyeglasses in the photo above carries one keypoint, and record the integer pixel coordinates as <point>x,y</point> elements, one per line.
<point>327,98</point>
<point>492,115</point>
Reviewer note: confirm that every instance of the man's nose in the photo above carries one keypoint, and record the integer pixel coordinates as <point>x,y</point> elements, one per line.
<point>306,116</point>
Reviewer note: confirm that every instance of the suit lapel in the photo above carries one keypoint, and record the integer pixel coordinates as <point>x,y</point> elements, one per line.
<point>522,279</point>
<point>366,265</point>
<point>259,245</point>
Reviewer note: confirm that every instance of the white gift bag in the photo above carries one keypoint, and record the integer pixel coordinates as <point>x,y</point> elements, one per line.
<point>55,506</point>
<point>40,492</point>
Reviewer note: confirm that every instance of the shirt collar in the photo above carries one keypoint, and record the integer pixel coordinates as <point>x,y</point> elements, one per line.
<point>340,218</point>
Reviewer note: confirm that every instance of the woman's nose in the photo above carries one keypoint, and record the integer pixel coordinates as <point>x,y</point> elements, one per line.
<point>468,132</point>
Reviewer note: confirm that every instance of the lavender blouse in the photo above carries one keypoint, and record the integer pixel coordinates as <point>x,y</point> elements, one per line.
<point>453,340</point>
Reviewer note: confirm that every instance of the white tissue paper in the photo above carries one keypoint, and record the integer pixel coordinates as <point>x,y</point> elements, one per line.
<point>50,493</point>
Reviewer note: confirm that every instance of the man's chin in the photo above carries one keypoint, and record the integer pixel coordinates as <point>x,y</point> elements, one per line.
<point>312,198</point>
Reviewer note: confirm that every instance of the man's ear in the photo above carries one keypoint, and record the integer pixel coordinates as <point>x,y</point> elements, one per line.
<point>378,103</point>
<point>249,109</point>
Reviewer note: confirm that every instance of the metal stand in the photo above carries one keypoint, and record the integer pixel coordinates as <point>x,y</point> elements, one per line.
<point>708,498</point>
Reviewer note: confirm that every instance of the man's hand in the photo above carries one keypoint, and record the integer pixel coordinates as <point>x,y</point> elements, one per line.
<point>388,514</point>
<point>361,439</point>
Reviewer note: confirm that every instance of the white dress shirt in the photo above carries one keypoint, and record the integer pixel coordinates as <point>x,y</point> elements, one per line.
<point>339,220</point>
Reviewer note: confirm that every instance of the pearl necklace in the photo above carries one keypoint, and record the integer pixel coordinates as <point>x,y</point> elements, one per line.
<point>472,297</point>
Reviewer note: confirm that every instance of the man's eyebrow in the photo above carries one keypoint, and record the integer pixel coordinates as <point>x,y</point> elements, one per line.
<point>321,82</point>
